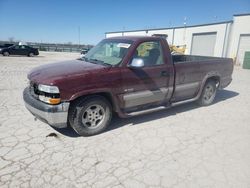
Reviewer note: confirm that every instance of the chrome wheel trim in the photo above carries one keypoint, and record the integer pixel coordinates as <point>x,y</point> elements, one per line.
<point>209,92</point>
<point>93,116</point>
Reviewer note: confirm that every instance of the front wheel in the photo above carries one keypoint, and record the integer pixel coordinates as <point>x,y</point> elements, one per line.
<point>90,115</point>
<point>31,54</point>
<point>208,93</point>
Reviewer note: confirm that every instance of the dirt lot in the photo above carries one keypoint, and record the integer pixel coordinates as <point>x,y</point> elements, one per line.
<point>186,146</point>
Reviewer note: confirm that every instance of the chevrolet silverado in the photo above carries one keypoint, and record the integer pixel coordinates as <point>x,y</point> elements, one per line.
<point>124,75</point>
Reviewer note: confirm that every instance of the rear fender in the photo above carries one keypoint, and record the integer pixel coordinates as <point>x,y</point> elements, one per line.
<point>209,75</point>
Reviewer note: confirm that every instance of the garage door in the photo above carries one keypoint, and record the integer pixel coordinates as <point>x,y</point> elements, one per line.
<point>203,44</point>
<point>244,45</point>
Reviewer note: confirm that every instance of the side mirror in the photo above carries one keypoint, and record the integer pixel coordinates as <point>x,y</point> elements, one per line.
<point>137,63</point>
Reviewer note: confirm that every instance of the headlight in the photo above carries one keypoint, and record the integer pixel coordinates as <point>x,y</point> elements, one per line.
<point>48,89</point>
<point>49,94</point>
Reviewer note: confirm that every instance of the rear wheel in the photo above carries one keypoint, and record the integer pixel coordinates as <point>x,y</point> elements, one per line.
<point>208,93</point>
<point>6,53</point>
<point>90,115</point>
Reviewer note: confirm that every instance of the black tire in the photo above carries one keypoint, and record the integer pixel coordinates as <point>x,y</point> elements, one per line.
<point>208,93</point>
<point>31,54</point>
<point>90,115</point>
<point>6,53</point>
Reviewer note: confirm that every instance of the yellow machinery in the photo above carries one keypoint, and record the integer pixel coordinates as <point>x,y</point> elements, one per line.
<point>143,49</point>
<point>180,49</point>
<point>177,49</point>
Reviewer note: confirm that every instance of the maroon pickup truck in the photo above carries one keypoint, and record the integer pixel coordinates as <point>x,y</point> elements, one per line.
<point>124,75</point>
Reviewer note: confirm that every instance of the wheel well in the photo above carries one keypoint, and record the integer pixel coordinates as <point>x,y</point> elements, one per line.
<point>106,95</point>
<point>216,79</point>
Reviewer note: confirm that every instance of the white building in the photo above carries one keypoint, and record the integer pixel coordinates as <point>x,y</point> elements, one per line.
<point>224,39</point>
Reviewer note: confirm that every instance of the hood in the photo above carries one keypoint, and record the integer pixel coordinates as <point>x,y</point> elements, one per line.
<point>51,73</point>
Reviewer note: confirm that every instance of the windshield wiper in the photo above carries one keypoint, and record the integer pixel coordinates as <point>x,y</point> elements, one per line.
<point>97,61</point>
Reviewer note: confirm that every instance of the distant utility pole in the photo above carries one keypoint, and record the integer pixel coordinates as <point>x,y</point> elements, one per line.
<point>185,21</point>
<point>184,34</point>
<point>79,36</point>
<point>123,29</point>
<point>170,24</point>
<point>215,18</point>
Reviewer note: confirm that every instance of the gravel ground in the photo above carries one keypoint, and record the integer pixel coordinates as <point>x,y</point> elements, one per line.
<point>186,146</point>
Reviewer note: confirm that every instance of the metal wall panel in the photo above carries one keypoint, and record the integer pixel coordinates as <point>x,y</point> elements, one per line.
<point>244,45</point>
<point>203,44</point>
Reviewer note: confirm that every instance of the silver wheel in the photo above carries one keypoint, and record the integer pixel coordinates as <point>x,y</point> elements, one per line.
<point>90,115</point>
<point>209,92</point>
<point>6,54</point>
<point>93,116</point>
<point>31,54</point>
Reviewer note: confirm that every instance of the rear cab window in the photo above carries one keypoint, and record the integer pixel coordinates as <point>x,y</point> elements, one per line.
<point>151,53</point>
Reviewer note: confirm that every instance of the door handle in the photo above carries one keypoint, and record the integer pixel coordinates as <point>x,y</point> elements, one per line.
<point>164,73</point>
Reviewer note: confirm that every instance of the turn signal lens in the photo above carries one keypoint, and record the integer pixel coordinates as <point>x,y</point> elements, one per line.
<point>54,101</point>
<point>49,100</point>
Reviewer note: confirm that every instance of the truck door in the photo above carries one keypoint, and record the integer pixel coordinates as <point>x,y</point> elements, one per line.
<point>149,84</point>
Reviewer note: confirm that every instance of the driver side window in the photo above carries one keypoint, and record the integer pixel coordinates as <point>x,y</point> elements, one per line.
<point>150,52</point>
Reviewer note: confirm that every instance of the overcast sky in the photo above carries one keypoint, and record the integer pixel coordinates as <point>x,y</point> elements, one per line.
<point>60,20</point>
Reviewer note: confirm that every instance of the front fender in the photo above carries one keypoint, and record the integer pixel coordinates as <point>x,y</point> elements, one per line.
<point>102,91</point>
<point>90,92</point>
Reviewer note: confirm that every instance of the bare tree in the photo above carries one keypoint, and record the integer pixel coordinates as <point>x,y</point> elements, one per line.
<point>11,39</point>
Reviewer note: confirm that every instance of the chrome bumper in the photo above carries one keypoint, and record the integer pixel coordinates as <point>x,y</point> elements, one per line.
<point>54,115</point>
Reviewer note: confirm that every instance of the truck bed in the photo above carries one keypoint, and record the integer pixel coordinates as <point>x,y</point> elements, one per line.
<point>190,71</point>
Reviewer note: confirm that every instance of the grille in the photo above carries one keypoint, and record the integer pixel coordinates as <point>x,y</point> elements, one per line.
<point>33,89</point>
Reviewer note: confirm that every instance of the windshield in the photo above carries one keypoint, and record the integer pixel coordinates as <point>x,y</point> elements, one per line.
<point>109,52</point>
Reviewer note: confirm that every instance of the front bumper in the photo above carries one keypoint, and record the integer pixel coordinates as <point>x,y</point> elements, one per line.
<point>54,115</point>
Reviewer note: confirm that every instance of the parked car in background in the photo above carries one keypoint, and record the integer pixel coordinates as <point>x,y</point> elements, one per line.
<point>84,52</point>
<point>5,46</point>
<point>19,50</point>
<point>124,75</point>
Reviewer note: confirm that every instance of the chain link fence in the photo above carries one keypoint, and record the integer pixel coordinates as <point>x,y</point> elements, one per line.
<point>52,47</point>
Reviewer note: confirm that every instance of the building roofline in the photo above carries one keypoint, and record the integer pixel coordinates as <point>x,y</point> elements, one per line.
<point>245,14</point>
<point>153,29</point>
